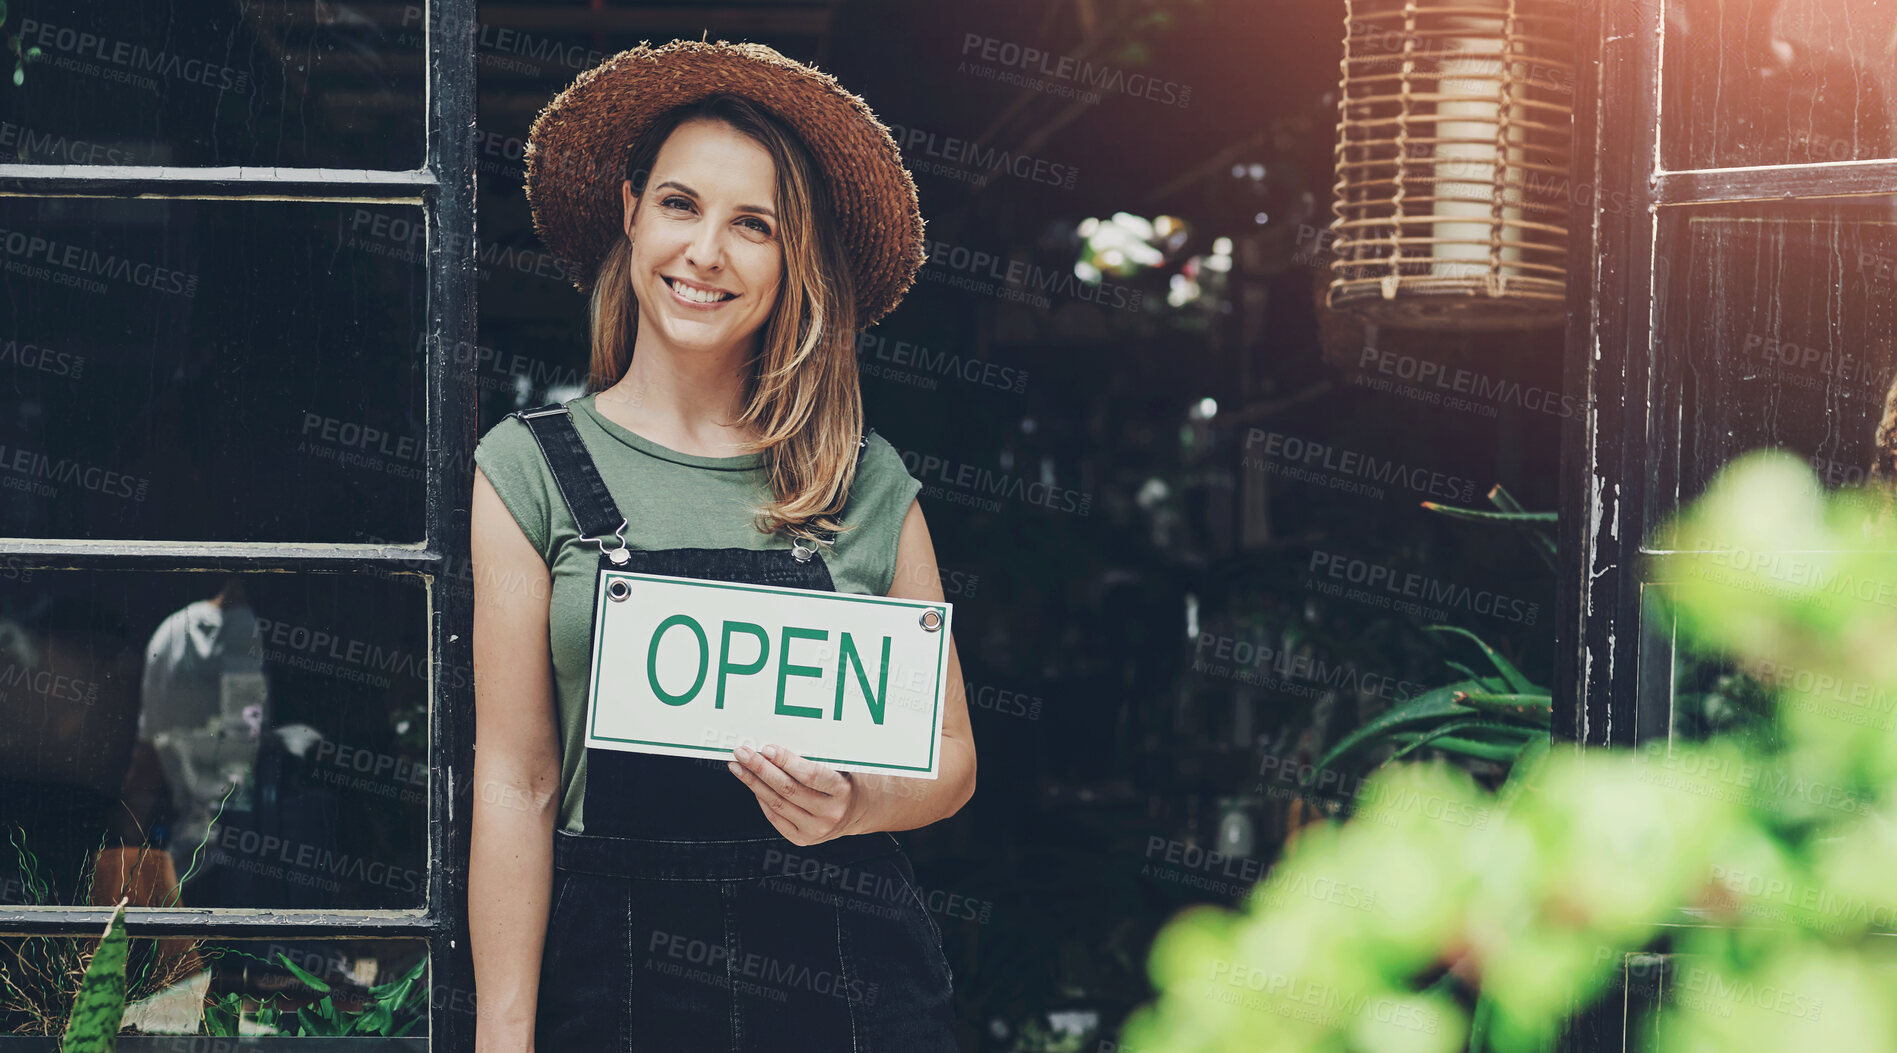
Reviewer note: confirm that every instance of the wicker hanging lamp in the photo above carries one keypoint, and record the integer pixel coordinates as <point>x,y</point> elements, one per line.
<point>1454,144</point>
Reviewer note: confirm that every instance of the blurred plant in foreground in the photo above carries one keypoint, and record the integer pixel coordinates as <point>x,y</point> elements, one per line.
<point>1762,866</point>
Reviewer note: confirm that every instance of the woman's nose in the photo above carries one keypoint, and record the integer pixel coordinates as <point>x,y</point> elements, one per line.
<point>707,247</point>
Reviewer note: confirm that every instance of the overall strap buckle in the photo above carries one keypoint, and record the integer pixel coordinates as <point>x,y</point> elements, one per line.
<point>620,555</point>
<point>577,477</point>
<point>801,550</point>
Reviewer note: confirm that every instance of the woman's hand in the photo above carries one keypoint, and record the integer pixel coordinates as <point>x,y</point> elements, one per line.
<point>807,801</point>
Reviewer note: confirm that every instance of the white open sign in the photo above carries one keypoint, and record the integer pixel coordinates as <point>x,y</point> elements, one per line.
<point>692,668</point>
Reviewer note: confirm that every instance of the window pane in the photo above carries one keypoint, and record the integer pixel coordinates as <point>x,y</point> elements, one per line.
<point>295,83</point>
<point>211,370</point>
<point>1774,327</point>
<point>169,982</point>
<point>272,726</point>
<point>1776,82</point>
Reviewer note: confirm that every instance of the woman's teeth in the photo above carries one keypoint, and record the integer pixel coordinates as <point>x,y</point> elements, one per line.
<point>696,295</point>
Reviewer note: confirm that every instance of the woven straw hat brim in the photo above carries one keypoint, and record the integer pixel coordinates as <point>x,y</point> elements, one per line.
<point>578,146</point>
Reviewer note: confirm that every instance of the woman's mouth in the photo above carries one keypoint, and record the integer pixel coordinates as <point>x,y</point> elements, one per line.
<point>695,295</point>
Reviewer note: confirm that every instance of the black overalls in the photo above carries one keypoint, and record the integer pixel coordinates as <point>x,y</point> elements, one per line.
<point>682,921</point>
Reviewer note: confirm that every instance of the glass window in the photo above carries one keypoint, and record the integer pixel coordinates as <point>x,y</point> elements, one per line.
<point>204,990</point>
<point>253,740</point>
<point>1777,326</point>
<point>1775,82</point>
<point>211,370</point>
<point>126,82</point>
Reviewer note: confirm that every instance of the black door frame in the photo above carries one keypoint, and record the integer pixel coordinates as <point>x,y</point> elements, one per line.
<point>1615,329</point>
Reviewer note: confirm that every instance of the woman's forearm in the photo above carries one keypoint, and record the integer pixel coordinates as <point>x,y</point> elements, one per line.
<point>510,881</point>
<point>894,803</point>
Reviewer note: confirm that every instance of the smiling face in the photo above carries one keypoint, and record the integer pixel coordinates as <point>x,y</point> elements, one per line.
<point>706,262</point>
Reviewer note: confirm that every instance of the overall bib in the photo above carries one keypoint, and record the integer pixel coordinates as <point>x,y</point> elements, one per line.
<point>681,920</point>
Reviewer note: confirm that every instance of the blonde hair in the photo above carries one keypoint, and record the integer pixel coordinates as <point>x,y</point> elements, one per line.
<point>801,388</point>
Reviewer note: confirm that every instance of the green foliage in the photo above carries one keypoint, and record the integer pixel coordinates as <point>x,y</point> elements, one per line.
<point>1428,710</point>
<point>1485,717</point>
<point>393,1008</point>
<point>96,1012</point>
<point>1761,866</point>
<point>40,977</point>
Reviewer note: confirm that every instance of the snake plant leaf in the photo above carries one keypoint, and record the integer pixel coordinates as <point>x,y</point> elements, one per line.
<point>1516,680</point>
<point>1428,708</point>
<point>100,1006</point>
<point>1537,709</point>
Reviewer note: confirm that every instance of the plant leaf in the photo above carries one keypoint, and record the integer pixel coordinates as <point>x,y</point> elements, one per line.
<point>1540,540</point>
<point>1527,763</point>
<point>1454,727</point>
<point>220,1015</point>
<point>1488,751</point>
<point>1463,669</point>
<point>100,1006</point>
<point>315,982</point>
<point>1500,497</point>
<point>308,1024</point>
<point>1429,707</point>
<point>1537,709</point>
<point>1476,515</point>
<point>1516,681</point>
<point>1479,1022</point>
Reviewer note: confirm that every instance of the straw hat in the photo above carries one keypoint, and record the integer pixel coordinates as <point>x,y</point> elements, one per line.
<point>578,148</point>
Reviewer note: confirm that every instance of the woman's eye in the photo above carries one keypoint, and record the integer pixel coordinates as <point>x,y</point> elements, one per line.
<point>759,225</point>
<point>680,202</point>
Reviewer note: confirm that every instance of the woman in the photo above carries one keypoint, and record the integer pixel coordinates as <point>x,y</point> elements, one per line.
<point>737,218</point>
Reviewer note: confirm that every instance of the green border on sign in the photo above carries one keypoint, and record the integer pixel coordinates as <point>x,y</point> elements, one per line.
<point>599,626</point>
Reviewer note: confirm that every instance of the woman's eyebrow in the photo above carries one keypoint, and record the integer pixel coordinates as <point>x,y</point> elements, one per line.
<point>759,209</point>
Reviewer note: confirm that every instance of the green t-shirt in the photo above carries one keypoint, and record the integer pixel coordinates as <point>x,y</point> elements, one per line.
<point>670,500</point>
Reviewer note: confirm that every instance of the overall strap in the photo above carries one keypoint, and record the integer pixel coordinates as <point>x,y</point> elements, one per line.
<point>585,493</point>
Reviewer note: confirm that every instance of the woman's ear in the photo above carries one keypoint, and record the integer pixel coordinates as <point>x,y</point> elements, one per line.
<point>629,203</point>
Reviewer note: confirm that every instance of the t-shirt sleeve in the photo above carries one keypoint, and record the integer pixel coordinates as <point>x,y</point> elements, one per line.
<point>880,500</point>
<point>512,462</point>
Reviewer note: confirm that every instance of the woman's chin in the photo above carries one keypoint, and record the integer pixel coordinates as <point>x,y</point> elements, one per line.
<point>695,337</point>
